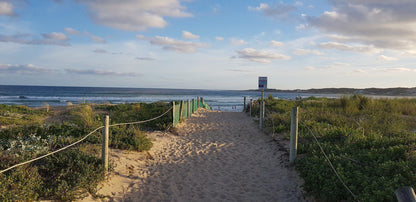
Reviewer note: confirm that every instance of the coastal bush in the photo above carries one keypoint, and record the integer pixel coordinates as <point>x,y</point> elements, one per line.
<point>370,142</point>
<point>129,138</point>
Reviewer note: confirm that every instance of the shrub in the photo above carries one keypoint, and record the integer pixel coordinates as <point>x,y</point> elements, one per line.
<point>129,138</point>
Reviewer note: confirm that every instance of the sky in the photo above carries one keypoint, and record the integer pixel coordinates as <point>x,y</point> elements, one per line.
<point>208,44</point>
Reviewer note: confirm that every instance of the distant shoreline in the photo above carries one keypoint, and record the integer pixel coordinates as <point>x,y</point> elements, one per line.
<point>366,91</point>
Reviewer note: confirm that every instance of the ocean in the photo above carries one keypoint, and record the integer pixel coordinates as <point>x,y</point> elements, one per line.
<point>37,96</point>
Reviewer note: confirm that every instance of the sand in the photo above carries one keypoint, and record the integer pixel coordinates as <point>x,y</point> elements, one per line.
<point>216,156</point>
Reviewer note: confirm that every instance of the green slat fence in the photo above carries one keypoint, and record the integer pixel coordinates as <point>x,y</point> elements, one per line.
<point>180,113</point>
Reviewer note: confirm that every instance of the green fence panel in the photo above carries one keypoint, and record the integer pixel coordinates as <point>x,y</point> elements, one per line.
<point>176,114</point>
<point>184,111</point>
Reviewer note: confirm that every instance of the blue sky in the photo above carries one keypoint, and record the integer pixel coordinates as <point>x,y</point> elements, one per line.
<point>210,44</point>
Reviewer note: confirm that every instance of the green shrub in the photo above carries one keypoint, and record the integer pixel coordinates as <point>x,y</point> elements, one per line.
<point>21,184</point>
<point>129,138</point>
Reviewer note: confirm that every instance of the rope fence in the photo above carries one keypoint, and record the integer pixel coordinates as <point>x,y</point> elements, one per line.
<point>180,108</point>
<point>257,107</point>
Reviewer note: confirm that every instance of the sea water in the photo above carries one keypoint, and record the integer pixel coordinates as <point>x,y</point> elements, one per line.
<point>37,96</point>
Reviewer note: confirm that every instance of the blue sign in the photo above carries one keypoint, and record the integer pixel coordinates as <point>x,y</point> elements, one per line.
<point>262,82</point>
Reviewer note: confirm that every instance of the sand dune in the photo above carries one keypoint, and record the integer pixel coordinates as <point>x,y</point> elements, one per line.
<point>217,156</point>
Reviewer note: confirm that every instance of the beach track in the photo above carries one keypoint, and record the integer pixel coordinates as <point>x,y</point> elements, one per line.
<point>216,156</point>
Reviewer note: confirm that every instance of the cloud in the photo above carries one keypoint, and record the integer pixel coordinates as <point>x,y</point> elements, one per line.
<point>387,24</point>
<point>6,8</point>
<point>309,68</point>
<point>134,15</point>
<point>359,71</point>
<point>395,69</point>
<point>54,38</point>
<point>100,73</point>
<point>387,58</point>
<point>145,58</point>
<point>172,44</point>
<point>94,38</point>
<point>306,52</point>
<point>71,31</point>
<point>280,11</point>
<point>22,69</point>
<point>99,51</point>
<point>189,35</point>
<point>219,38</point>
<point>347,47</point>
<point>261,56</point>
<point>237,42</point>
<point>300,27</point>
<point>274,43</point>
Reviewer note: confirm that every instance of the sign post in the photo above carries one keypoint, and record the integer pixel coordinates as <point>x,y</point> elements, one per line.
<point>262,86</point>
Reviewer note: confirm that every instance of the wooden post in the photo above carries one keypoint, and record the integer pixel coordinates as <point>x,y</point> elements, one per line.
<point>405,194</point>
<point>251,105</point>
<point>197,103</point>
<point>261,115</point>
<point>189,109</point>
<point>193,105</point>
<point>104,154</point>
<point>173,113</point>
<point>244,107</point>
<point>202,102</point>
<point>262,94</point>
<point>293,135</point>
<point>180,110</point>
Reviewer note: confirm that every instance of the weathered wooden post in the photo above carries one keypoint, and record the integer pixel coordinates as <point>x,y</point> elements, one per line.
<point>104,154</point>
<point>202,102</point>
<point>293,135</point>
<point>193,105</point>
<point>261,114</point>
<point>189,108</point>
<point>405,194</point>
<point>197,103</point>
<point>173,113</point>
<point>244,107</point>
<point>251,105</point>
<point>180,110</point>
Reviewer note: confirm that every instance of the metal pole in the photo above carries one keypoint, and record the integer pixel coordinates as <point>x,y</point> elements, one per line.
<point>293,135</point>
<point>104,154</point>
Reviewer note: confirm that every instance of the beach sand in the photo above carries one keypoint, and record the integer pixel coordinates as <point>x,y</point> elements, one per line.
<point>216,156</point>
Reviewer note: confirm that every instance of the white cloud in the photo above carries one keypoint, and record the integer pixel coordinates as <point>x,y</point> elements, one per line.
<point>22,69</point>
<point>94,38</point>
<point>218,38</point>
<point>172,44</point>
<point>6,8</point>
<point>189,35</point>
<point>72,31</point>
<point>237,41</point>
<point>145,58</point>
<point>274,43</point>
<point>134,15</point>
<point>310,68</point>
<point>261,56</point>
<point>347,47</point>
<point>306,52</point>
<point>59,39</point>
<point>100,72</point>
<point>395,69</point>
<point>300,27</point>
<point>99,51</point>
<point>279,11</point>
<point>55,36</point>
<point>387,58</point>
<point>359,71</point>
<point>387,24</point>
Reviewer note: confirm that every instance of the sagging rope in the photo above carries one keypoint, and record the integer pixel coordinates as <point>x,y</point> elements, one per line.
<point>330,163</point>
<point>82,139</point>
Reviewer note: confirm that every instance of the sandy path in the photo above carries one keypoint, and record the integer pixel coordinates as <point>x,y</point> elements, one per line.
<point>217,156</point>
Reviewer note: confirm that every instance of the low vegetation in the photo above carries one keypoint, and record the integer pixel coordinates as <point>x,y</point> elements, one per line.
<point>72,173</point>
<point>370,142</point>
